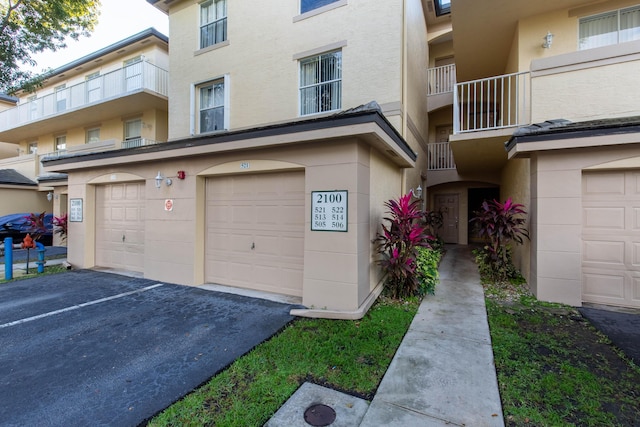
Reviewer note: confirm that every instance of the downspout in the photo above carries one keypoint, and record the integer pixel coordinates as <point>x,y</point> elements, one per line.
<point>403,99</point>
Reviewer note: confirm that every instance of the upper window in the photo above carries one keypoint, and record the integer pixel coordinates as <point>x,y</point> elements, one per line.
<point>211,106</point>
<point>307,5</point>
<point>443,7</point>
<point>213,22</point>
<point>132,129</point>
<point>61,143</point>
<point>321,83</point>
<point>61,98</point>
<point>93,135</point>
<point>609,28</point>
<point>133,73</point>
<point>93,86</point>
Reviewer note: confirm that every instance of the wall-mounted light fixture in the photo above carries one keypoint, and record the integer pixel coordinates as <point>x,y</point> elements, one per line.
<point>417,193</point>
<point>548,40</point>
<point>50,196</point>
<point>159,178</point>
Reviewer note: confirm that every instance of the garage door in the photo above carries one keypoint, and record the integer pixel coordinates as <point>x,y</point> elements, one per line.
<point>255,231</point>
<point>120,226</point>
<point>611,238</point>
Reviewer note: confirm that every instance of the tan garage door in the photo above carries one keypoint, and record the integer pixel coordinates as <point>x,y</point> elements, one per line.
<point>120,226</point>
<point>255,231</point>
<point>611,238</point>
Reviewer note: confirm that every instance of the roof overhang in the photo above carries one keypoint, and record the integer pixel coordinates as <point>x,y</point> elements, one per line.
<point>366,125</point>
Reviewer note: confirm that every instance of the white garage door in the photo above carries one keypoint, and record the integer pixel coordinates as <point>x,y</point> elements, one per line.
<point>611,238</point>
<point>120,226</point>
<point>255,231</point>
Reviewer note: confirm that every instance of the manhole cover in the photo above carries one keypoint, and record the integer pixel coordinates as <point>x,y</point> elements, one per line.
<point>319,415</point>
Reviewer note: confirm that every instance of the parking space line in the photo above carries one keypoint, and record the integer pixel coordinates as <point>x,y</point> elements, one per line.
<point>75,307</point>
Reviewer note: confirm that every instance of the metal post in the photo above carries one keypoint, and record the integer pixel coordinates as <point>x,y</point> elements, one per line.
<point>41,261</point>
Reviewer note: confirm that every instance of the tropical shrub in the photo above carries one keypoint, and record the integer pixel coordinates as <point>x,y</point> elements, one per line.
<point>433,220</point>
<point>427,270</point>
<point>37,226</point>
<point>60,226</point>
<point>398,246</point>
<point>501,224</point>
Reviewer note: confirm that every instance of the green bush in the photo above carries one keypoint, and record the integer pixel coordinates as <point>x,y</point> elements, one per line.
<point>427,270</point>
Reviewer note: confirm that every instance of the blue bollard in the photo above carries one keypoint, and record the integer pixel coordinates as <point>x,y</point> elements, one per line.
<point>40,261</point>
<point>8,258</point>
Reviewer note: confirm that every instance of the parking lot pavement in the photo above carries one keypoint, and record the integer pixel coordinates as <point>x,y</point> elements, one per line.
<point>92,348</point>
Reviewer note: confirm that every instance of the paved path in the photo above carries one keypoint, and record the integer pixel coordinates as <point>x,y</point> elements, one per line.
<point>443,373</point>
<point>92,348</point>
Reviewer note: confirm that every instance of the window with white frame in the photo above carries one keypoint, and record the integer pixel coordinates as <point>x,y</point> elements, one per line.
<point>133,73</point>
<point>133,130</point>
<point>213,22</point>
<point>307,5</point>
<point>61,143</point>
<point>211,106</point>
<point>61,97</point>
<point>93,86</point>
<point>93,135</point>
<point>609,28</point>
<point>33,148</point>
<point>321,83</point>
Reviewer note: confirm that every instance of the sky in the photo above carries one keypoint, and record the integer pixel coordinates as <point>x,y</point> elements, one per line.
<point>118,20</point>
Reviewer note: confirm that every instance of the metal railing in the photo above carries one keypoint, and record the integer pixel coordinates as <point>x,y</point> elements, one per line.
<point>441,79</point>
<point>132,78</point>
<point>440,157</point>
<point>137,142</point>
<point>493,103</point>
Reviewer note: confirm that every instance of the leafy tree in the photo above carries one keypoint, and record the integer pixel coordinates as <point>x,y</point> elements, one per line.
<point>33,26</point>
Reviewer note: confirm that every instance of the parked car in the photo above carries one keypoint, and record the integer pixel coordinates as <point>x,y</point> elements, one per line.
<point>17,226</point>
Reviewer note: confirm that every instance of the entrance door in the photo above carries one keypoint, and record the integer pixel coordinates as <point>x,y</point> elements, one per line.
<point>448,205</point>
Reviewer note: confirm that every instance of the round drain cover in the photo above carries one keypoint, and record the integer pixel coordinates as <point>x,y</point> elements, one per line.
<point>319,415</point>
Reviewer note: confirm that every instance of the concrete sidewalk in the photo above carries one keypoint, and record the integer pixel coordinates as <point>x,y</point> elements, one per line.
<point>443,373</point>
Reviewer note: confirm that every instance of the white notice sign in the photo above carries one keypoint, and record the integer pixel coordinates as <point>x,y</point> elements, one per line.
<point>75,210</point>
<point>329,210</point>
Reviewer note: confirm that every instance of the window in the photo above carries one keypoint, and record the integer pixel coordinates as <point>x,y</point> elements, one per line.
<point>133,73</point>
<point>132,130</point>
<point>213,22</point>
<point>93,82</point>
<point>321,83</point>
<point>33,148</point>
<point>609,28</point>
<point>211,106</point>
<point>307,5</point>
<point>93,135</point>
<point>61,98</point>
<point>61,143</point>
<point>33,107</point>
<point>443,7</point>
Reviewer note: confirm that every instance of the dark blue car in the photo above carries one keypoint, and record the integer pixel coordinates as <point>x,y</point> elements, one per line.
<point>17,226</point>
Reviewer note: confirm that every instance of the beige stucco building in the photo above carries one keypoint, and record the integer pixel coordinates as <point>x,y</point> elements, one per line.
<point>112,99</point>
<point>557,82</point>
<point>284,142</point>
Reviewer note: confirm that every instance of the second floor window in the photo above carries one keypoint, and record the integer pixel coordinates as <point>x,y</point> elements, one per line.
<point>61,98</point>
<point>609,28</point>
<point>307,5</point>
<point>61,143</point>
<point>211,106</point>
<point>321,83</point>
<point>133,73</point>
<point>132,129</point>
<point>93,135</point>
<point>93,83</point>
<point>213,22</point>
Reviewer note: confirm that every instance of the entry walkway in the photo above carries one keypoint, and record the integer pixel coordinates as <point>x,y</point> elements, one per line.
<point>443,373</point>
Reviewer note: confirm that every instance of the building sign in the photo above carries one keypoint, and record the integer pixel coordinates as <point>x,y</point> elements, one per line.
<point>75,210</point>
<point>329,210</point>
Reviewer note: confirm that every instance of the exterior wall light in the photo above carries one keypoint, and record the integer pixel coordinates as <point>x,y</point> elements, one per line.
<point>49,196</point>
<point>417,193</point>
<point>548,39</point>
<point>159,179</point>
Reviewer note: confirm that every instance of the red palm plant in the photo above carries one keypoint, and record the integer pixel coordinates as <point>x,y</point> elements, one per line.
<point>398,243</point>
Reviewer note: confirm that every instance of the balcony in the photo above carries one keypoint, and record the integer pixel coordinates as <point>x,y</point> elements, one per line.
<point>440,157</point>
<point>440,84</point>
<point>492,104</point>
<point>124,91</point>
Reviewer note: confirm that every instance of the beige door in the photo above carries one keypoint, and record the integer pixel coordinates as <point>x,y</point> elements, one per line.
<point>448,205</point>
<point>255,231</point>
<point>611,238</point>
<point>120,226</point>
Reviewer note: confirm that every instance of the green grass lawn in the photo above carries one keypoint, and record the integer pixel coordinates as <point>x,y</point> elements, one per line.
<point>350,356</point>
<point>555,369</point>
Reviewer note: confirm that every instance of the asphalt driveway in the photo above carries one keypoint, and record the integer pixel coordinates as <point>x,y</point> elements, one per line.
<point>93,348</point>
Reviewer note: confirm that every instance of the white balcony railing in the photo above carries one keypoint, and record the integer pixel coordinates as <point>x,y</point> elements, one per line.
<point>441,79</point>
<point>132,78</point>
<point>493,103</point>
<point>440,157</point>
